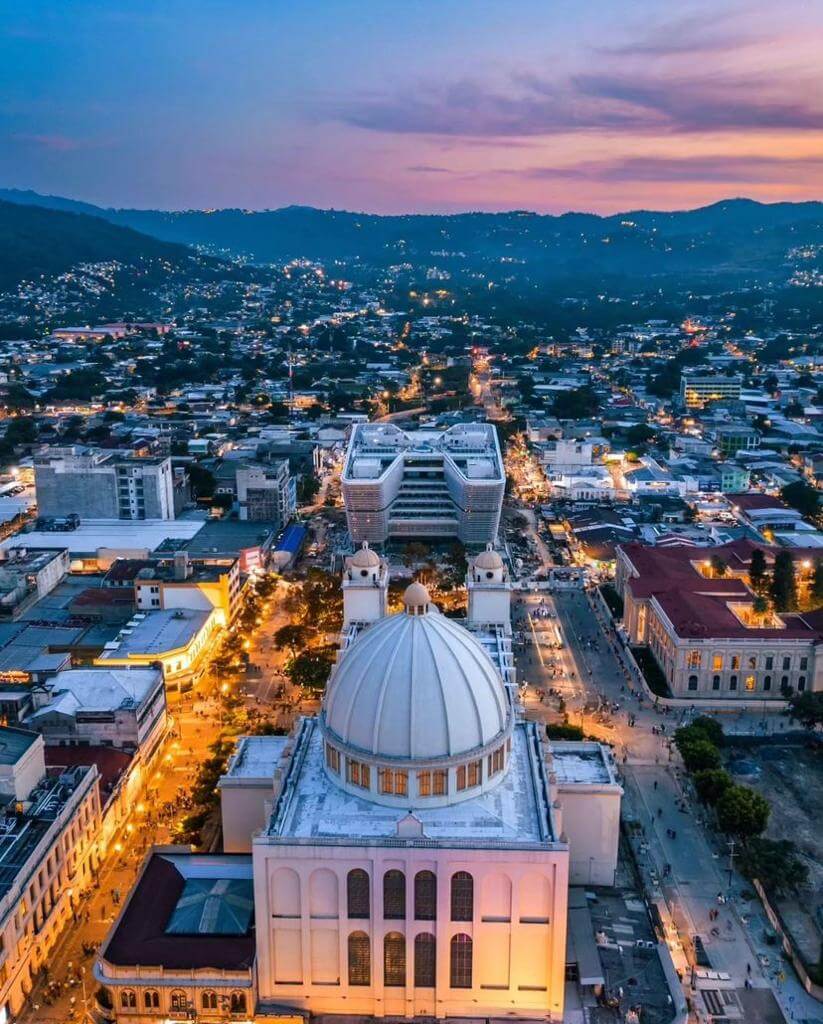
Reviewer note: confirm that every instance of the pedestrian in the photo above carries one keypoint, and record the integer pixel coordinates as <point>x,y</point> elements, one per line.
<point>655,783</point>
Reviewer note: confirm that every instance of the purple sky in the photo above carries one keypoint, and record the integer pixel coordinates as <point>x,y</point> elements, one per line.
<point>421,105</point>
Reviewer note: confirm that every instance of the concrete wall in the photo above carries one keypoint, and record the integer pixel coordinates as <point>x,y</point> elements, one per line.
<point>518,931</point>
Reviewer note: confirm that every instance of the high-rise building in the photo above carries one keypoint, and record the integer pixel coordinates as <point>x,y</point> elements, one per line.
<point>425,483</point>
<point>94,484</point>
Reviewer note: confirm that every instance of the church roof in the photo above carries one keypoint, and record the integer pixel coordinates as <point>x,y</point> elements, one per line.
<point>416,686</point>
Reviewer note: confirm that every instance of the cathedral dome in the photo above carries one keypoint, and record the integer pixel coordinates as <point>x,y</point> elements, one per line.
<point>416,686</point>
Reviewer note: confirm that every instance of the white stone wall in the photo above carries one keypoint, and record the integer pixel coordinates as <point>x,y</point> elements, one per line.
<point>518,930</point>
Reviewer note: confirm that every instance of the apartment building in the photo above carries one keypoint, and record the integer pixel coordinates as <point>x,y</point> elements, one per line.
<point>48,834</point>
<point>266,493</point>
<point>423,484</point>
<point>93,484</point>
<point>703,630</point>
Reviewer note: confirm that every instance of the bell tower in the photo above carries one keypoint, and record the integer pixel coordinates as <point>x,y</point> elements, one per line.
<point>489,590</point>
<point>365,587</point>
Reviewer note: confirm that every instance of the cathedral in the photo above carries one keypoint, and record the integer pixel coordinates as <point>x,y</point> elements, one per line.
<point>405,853</point>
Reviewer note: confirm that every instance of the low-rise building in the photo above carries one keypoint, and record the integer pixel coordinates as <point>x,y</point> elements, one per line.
<point>48,856</point>
<point>179,640</point>
<point>26,576</point>
<point>124,708</point>
<point>703,629</point>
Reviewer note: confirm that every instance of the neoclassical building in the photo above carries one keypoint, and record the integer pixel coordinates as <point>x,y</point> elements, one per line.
<point>411,846</point>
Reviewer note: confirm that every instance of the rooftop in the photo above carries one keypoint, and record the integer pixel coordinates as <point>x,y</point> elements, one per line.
<point>14,743</point>
<point>255,757</point>
<point>158,633</point>
<point>186,912</point>
<point>115,534</point>
<point>312,810</point>
<point>581,764</point>
<point>99,689</point>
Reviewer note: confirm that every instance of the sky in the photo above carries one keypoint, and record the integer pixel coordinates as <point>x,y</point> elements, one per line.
<point>414,106</point>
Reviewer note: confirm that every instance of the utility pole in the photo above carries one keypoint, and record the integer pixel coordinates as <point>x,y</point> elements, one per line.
<point>731,860</point>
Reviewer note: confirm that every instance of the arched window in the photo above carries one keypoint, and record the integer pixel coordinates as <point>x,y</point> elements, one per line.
<point>460,962</point>
<point>424,960</point>
<point>128,999</point>
<point>462,896</point>
<point>178,1000</point>
<point>359,959</point>
<point>394,896</point>
<point>208,1001</point>
<point>425,896</point>
<point>394,960</point>
<point>357,891</point>
<point>237,1003</point>
<point>151,999</point>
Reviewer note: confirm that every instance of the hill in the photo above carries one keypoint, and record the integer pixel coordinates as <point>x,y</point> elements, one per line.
<point>36,241</point>
<point>736,238</point>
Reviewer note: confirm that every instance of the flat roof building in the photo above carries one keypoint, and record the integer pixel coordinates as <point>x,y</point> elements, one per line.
<point>423,483</point>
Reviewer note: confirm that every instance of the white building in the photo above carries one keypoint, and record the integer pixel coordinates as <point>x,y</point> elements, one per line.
<point>409,852</point>
<point>426,483</point>
<point>48,856</point>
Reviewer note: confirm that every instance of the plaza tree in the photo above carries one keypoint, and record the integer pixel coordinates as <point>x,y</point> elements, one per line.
<point>758,574</point>
<point>292,636</point>
<point>711,784</point>
<point>742,813</point>
<point>783,587</point>
<point>806,708</point>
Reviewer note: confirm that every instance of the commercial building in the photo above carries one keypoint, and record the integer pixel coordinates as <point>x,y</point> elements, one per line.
<point>26,576</point>
<point>94,484</point>
<point>425,483</point>
<point>178,640</point>
<point>411,847</point>
<point>267,493</point>
<point>48,857</point>
<point>698,390</point>
<point>703,629</point>
<point>100,707</point>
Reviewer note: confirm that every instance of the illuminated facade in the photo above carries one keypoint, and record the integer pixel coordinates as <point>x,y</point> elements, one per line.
<point>408,847</point>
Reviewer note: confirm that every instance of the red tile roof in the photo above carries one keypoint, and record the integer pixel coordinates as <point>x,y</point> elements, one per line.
<point>698,607</point>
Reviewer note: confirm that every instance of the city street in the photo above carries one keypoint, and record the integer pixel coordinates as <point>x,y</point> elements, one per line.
<point>678,856</point>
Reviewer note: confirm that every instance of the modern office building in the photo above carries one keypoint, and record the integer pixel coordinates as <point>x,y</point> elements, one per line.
<point>423,484</point>
<point>699,389</point>
<point>405,854</point>
<point>94,484</point>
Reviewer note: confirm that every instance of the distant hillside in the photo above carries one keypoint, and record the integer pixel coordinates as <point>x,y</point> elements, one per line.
<point>737,237</point>
<point>36,241</point>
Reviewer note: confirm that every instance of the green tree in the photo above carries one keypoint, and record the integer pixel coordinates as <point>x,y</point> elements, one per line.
<point>711,784</point>
<point>741,812</point>
<point>817,582</point>
<point>758,577</point>
<point>802,496</point>
<point>701,728</point>
<point>699,755</point>
<point>783,587</point>
<point>719,567</point>
<point>201,481</point>
<point>775,864</point>
<point>806,708</point>
<point>311,668</point>
<point>292,636</point>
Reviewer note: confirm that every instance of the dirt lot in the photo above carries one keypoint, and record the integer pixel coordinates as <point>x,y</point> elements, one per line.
<point>791,778</point>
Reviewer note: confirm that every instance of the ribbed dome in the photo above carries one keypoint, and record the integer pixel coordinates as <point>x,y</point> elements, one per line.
<point>416,686</point>
<point>364,558</point>
<point>488,559</point>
